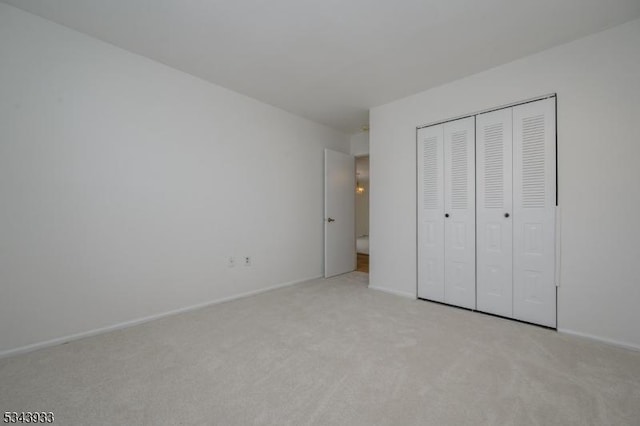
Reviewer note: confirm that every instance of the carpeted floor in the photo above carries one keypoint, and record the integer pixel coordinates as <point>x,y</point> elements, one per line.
<point>328,352</point>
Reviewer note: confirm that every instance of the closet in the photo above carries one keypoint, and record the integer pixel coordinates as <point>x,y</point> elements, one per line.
<point>486,212</point>
<point>447,221</point>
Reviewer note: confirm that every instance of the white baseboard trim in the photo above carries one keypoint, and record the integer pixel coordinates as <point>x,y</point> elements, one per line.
<point>624,345</point>
<point>394,292</point>
<point>69,338</point>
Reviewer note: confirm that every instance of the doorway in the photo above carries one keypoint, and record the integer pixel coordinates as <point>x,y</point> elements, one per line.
<point>362,213</point>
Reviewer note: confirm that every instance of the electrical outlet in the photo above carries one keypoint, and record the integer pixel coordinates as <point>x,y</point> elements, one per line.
<point>231,262</point>
<point>247,261</point>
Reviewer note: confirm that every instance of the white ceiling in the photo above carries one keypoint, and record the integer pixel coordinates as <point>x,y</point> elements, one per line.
<point>331,60</point>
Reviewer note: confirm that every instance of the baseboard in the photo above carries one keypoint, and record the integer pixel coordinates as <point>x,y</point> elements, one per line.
<point>624,345</point>
<point>394,292</point>
<point>126,324</point>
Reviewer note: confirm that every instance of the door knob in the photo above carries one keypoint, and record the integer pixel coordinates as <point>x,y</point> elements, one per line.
<point>446,215</point>
<point>330,220</point>
<point>506,215</point>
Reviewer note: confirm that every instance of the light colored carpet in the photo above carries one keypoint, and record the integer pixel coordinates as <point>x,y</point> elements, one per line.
<point>328,352</point>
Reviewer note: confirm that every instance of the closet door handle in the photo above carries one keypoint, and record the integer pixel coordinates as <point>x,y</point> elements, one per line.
<point>446,215</point>
<point>506,215</point>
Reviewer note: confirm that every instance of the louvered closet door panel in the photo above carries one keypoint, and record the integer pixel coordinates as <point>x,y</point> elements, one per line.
<point>431,213</point>
<point>534,166</point>
<point>459,202</point>
<point>494,212</point>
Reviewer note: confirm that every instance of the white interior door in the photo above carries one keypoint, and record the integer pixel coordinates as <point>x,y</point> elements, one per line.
<point>494,200</point>
<point>460,209</point>
<point>534,196</point>
<point>430,152</point>
<point>339,213</point>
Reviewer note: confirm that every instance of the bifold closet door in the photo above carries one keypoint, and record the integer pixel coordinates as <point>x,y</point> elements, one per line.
<point>446,213</point>
<point>514,258</point>
<point>494,141</point>
<point>430,153</point>
<point>534,200</point>
<point>459,213</point>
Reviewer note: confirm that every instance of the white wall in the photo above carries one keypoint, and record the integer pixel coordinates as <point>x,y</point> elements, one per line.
<point>360,144</point>
<point>598,86</point>
<point>125,186</point>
